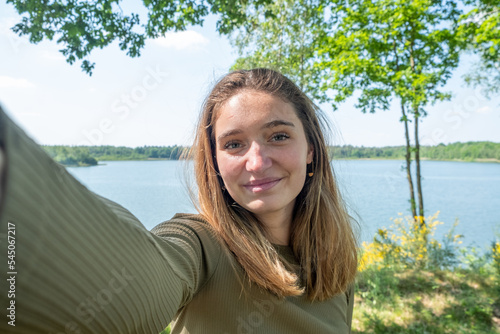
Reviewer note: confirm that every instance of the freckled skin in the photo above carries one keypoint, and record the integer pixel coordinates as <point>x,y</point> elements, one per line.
<point>262,154</point>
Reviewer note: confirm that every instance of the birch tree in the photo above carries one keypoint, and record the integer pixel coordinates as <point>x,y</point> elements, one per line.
<point>393,50</point>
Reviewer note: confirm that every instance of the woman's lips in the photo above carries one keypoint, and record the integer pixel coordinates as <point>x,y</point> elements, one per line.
<point>261,185</point>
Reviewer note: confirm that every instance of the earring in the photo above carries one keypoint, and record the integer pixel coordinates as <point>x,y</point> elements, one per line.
<point>310,173</point>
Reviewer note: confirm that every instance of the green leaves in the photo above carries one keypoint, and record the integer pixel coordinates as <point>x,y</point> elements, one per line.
<point>392,49</point>
<point>329,47</point>
<point>81,26</point>
<point>479,31</point>
<point>165,15</point>
<point>283,35</point>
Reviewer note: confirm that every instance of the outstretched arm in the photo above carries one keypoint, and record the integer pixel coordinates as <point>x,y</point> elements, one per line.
<point>80,263</point>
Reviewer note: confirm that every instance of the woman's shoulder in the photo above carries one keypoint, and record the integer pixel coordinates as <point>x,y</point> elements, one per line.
<point>192,229</point>
<point>181,221</point>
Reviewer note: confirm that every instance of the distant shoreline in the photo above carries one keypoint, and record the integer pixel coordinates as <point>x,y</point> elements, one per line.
<point>427,159</point>
<point>359,159</point>
<point>483,151</point>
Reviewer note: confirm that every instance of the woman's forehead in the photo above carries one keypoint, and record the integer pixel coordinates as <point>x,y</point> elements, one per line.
<point>254,106</point>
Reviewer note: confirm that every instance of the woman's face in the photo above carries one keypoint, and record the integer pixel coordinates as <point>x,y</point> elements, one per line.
<point>262,153</point>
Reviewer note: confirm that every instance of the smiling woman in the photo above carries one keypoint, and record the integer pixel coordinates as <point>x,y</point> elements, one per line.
<point>272,249</point>
<point>262,153</point>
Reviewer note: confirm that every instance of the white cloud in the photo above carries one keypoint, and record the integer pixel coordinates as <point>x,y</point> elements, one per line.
<point>182,40</point>
<point>9,82</point>
<point>484,110</point>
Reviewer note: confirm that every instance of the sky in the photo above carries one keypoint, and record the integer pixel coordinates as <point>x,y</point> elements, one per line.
<point>155,99</point>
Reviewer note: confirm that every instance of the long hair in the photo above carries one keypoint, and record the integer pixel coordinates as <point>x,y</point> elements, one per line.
<point>322,237</point>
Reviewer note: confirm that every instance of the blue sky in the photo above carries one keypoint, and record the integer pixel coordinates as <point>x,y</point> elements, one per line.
<point>155,99</point>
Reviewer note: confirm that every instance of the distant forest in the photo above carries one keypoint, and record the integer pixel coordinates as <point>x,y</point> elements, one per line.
<point>469,151</point>
<point>90,155</point>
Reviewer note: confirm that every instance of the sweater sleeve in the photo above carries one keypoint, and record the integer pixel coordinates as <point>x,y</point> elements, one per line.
<point>75,262</point>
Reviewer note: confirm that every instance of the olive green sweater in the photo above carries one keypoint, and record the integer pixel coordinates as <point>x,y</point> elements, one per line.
<point>75,262</point>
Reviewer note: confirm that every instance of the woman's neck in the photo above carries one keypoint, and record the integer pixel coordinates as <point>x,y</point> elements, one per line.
<point>278,227</point>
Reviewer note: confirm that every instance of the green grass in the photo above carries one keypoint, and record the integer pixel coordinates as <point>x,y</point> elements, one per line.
<point>427,302</point>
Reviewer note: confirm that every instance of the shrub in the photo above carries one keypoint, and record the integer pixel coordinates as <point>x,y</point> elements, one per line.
<point>410,243</point>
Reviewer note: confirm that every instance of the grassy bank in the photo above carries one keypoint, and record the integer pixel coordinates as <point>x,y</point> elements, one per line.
<point>392,300</point>
<point>411,283</point>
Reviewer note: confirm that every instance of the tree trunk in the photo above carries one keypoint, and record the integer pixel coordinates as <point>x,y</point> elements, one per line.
<point>408,163</point>
<point>413,204</point>
<point>416,114</point>
<point>417,160</point>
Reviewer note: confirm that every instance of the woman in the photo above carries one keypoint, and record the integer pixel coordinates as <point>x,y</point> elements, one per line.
<point>272,250</point>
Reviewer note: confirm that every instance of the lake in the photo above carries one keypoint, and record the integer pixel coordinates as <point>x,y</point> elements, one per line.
<point>375,190</point>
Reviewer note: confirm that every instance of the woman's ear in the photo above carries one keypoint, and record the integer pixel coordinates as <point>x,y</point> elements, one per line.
<point>310,154</point>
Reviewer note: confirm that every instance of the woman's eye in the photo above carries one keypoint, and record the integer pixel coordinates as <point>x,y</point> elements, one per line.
<point>280,137</point>
<point>231,145</point>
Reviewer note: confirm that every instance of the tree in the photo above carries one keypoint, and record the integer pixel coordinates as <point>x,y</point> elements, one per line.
<point>282,35</point>
<point>480,28</point>
<point>82,25</point>
<point>389,49</point>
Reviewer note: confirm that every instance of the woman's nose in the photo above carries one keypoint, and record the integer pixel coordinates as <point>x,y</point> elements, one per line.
<point>257,158</point>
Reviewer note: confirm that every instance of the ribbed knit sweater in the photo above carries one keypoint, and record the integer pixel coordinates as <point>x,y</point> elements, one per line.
<point>84,264</point>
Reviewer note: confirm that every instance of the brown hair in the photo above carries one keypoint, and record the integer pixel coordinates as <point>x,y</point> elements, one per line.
<point>322,238</point>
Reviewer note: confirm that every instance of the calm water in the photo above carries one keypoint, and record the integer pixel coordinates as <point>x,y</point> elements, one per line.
<point>375,190</point>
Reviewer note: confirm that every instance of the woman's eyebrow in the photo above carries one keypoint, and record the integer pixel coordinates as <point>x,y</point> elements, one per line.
<point>267,125</point>
<point>228,134</point>
<point>276,123</point>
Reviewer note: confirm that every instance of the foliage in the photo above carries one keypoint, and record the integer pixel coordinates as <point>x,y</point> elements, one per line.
<point>470,151</point>
<point>82,26</point>
<point>391,48</point>
<point>410,244</point>
<point>69,155</point>
<point>496,255</point>
<point>480,29</point>
<point>391,300</point>
<point>403,288</point>
<point>76,156</point>
<point>465,151</point>
<point>282,35</point>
